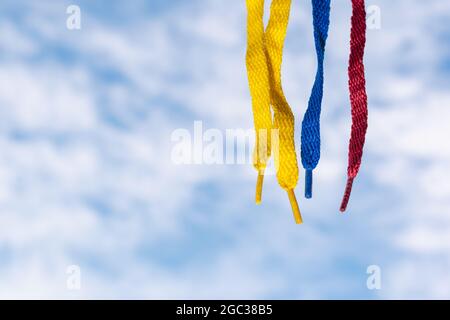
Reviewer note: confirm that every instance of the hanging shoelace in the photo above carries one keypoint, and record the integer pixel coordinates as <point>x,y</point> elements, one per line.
<point>358,96</point>
<point>264,58</point>
<point>310,149</point>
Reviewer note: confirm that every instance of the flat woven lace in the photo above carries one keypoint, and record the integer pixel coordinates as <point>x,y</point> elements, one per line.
<point>274,135</point>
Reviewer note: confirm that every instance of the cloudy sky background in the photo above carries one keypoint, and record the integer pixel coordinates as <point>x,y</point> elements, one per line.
<point>86,176</point>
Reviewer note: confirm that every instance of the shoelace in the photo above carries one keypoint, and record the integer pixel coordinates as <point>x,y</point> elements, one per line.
<point>264,58</point>
<point>310,149</point>
<point>358,96</point>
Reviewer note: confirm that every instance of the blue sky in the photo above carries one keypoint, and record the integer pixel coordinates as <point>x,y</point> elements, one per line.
<point>86,176</point>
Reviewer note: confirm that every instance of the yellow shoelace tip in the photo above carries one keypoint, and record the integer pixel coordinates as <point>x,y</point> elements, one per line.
<point>295,208</point>
<point>259,186</point>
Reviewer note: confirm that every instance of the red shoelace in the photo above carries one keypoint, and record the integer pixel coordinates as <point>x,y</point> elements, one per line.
<point>358,96</point>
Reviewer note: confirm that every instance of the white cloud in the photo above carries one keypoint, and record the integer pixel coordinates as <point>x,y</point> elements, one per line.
<point>46,98</point>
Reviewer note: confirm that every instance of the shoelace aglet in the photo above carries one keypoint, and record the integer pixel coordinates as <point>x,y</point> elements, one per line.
<point>308,183</point>
<point>259,186</point>
<point>348,191</point>
<point>295,208</point>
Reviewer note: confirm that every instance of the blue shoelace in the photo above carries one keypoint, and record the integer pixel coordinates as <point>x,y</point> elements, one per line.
<point>310,149</point>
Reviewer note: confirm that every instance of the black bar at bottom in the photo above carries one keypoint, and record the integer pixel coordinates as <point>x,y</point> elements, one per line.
<point>222,309</point>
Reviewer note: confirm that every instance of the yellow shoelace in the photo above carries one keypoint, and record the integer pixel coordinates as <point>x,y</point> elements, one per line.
<point>264,58</point>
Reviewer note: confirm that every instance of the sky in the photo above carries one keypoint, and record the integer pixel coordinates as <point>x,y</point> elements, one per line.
<point>87,178</point>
